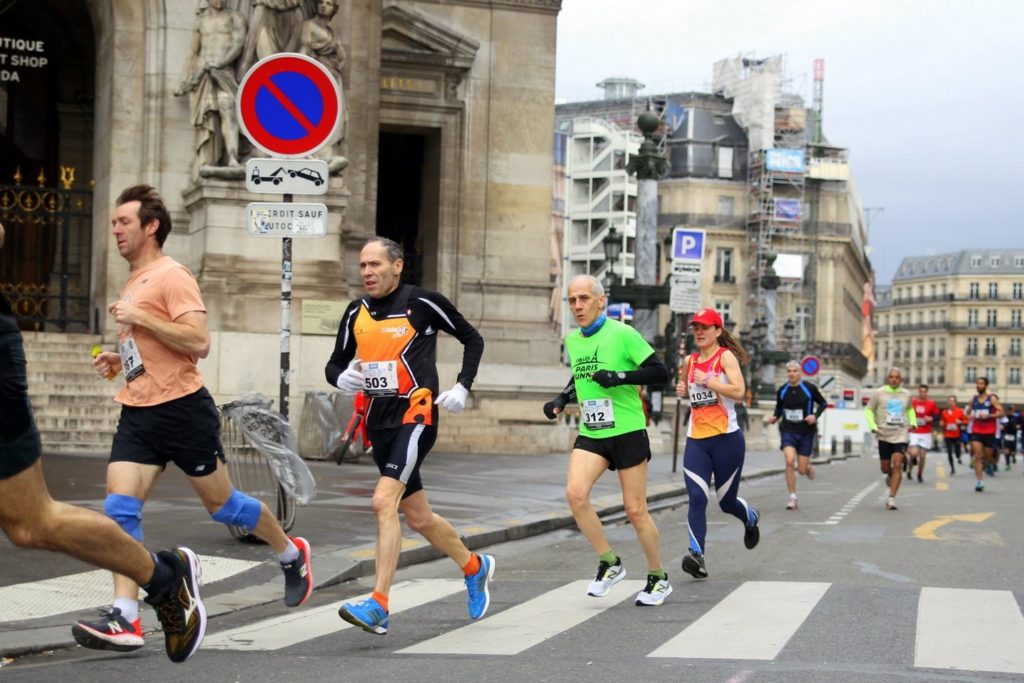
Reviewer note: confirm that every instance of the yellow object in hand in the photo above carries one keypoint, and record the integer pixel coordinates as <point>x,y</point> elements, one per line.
<point>96,351</point>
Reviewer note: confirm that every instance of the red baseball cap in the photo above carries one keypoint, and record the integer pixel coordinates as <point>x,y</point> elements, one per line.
<point>707,316</point>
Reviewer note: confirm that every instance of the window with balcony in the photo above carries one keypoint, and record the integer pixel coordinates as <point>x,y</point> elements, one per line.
<point>897,350</point>
<point>724,309</point>
<point>941,377</point>
<point>972,347</point>
<point>990,346</point>
<point>942,347</point>
<point>972,317</point>
<point>1018,291</point>
<point>974,291</point>
<point>919,352</point>
<point>920,291</point>
<point>724,265</point>
<point>931,347</point>
<point>990,317</point>
<point>885,350</point>
<point>1015,319</point>
<point>970,374</point>
<point>1013,377</point>
<point>931,316</point>
<point>899,319</point>
<point>993,290</point>
<point>1015,346</point>
<point>920,317</point>
<point>931,375</point>
<point>932,289</point>
<point>990,375</point>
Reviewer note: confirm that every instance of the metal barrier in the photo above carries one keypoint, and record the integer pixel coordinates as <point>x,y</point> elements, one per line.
<point>251,473</point>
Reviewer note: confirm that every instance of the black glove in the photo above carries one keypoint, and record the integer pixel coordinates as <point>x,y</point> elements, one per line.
<point>557,402</point>
<point>609,379</point>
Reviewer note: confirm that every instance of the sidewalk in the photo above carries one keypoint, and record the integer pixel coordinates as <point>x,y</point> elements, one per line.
<point>488,498</point>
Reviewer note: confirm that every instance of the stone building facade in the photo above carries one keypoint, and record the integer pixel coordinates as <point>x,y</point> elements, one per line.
<point>448,148</point>
<point>950,318</point>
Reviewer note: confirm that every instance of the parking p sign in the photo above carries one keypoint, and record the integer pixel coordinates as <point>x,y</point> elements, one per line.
<point>687,245</point>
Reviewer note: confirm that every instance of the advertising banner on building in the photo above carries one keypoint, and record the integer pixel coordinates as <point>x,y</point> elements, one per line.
<point>787,210</point>
<point>784,160</point>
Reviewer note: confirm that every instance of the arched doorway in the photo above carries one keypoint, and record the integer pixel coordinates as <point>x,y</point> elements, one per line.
<point>47,93</point>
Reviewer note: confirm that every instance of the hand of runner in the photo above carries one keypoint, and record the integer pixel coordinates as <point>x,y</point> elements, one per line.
<point>453,400</point>
<point>351,381</point>
<point>608,379</point>
<point>553,407</point>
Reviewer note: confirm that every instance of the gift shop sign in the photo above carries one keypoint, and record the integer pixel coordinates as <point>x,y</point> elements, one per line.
<point>18,56</point>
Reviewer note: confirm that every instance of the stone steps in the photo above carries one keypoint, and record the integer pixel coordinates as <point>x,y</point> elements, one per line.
<point>74,409</point>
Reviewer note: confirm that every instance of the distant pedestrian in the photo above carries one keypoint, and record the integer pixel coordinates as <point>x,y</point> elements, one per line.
<point>921,436</point>
<point>799,404</point>
<point>984,411</point>
<point>954,423</point>
<point>713,381</point>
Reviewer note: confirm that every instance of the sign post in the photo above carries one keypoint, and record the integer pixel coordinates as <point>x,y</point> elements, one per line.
<point>684,297</point>
<point>289,105</point>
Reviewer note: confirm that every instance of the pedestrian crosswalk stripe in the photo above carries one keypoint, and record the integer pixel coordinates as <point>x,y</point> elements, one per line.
<point>86,590</point>
<point>755,621</point>
<point>302,625</point>
<point>521,627</point>
<point>973,630</point>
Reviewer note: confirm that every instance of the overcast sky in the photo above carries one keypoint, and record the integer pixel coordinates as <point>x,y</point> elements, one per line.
<point>928,96</point>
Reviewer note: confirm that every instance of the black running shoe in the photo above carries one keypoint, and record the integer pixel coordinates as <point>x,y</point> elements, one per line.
<point>181,611</point>
<point>298,575</point>
<point>111,632</point>
<point>693,564</point>
<point>752,535</point>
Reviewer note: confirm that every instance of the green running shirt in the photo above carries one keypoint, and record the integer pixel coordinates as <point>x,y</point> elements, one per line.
<point>616,347</point>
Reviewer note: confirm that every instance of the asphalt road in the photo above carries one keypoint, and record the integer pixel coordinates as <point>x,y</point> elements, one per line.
<point>841,590</point>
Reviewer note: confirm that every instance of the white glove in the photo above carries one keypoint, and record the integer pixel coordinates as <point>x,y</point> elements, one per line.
<point>453,400</point>
<point>351,381</point>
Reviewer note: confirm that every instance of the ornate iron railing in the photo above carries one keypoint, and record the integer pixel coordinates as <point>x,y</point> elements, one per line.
<point>44,265</point>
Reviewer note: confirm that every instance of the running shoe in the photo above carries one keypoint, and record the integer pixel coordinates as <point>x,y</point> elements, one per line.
<point>752,534</point>
<point>298,575</point>
<point>792,504</point>
<point>476,586</point>
<point>367,615</point>
<point>181,611</point>
<point>111,632</point>
<point>655,592</point>
<point>693,564</point>
<point>919,479</point>
<point>812,472</point>
<point>980,487</point>
<point>607,576</point>
<point>891,503</point>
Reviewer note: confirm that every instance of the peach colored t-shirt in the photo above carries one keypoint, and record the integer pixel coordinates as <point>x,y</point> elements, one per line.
<point>168,290</point>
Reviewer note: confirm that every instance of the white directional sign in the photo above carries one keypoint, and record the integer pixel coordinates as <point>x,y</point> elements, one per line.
<point>284,219</point>
<point>287,176</point>
<point>684,294</point>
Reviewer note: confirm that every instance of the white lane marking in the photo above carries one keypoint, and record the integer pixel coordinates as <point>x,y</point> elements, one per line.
<point>970,630</point>
<point>755,621</point>
<point>523,626</point>
<point>851,504</point>
<point>295,627</point>
<point>77,592</point>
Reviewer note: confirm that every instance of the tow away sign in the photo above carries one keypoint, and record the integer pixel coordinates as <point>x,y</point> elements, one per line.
<point>284,219</point>
<point>287,176</point>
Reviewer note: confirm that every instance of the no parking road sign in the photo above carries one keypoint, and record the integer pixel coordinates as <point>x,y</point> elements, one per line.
<point>810,365</point>
<point>289,105</point>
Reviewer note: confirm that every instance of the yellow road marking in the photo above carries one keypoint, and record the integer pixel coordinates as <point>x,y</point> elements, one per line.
<point>927,530</point>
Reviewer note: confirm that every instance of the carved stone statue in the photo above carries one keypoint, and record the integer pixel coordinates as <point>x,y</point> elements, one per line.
<point>273,27</point>
<point>318,40</point>
<point>210,82</point>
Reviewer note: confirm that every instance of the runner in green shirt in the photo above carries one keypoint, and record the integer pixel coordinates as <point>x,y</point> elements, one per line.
<point>609,359</point>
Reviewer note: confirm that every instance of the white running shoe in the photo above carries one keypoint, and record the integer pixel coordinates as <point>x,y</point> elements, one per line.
<point>607,576</point>
<point>654,593</point>
<point>891,503</point>
<point>792,504</point>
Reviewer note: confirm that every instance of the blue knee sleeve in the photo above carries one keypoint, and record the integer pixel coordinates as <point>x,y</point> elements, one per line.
<point>127,512</point>
<point>240,510</point>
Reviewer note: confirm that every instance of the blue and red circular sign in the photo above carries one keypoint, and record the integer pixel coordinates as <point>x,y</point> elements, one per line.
<point>289,105</point>
<point>810,365</point>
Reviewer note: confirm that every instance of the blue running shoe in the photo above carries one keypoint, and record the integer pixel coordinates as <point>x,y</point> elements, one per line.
<point>367,615</point>
<point>476,586</point>
<point>752,535</point>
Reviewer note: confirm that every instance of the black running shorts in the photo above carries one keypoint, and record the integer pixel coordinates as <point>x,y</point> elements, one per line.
<point>185,431</point>
<point>399,452</point>
<point>886,450</point>
<point>986,440</point>
<point>19,439</point>
<point>622,451</point>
